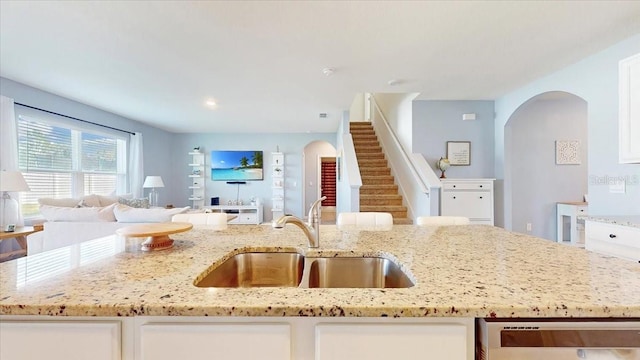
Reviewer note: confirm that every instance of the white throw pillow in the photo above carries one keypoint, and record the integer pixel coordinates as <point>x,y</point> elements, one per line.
<point>67,202</point>
<point>92,201</point>
<point>86,214</point>
<point>128,214</point>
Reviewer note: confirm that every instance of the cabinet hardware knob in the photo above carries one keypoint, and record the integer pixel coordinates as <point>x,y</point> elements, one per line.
<point>454,186</point>
<point>480,185</point>
<point>612,236</point>
<point>454,197</point>
<point>480,197</point>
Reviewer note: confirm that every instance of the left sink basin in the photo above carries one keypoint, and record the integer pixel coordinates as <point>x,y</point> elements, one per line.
<point>256,269</point>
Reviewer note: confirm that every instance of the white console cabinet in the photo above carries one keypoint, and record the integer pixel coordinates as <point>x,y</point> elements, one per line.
<point>472,198</point>
<point>629,113</point>
<point>245,214</point>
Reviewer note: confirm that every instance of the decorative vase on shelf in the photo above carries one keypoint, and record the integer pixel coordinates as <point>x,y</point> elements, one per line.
<point>442,165</point>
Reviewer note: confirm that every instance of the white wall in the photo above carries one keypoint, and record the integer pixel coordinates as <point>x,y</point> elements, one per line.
<point>356,111</point>
<point>398,110</point>
<point>594,79</point>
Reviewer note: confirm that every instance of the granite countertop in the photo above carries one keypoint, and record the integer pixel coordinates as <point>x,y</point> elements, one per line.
<point>460,271</point>
<point>631,221</point>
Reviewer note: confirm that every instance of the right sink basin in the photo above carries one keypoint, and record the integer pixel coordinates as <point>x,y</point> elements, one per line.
<point>361,272</point>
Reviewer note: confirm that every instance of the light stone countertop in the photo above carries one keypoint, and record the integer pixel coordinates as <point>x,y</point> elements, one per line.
<point>466,271</point>
<point>631,221</point>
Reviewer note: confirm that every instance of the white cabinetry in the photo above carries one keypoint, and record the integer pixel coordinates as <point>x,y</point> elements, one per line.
<point>197,177</point>
<point>244,214</point>
<point>629,113</point>
<point>197,341</point>
<point>238,338</point>
<point>96,340</point>
<point>472,198</point>
<point>390,341</point>
<point>616,240</point>
<point>277,184</point>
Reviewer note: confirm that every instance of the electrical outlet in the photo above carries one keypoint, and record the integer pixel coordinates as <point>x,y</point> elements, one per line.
<point>528,226</point>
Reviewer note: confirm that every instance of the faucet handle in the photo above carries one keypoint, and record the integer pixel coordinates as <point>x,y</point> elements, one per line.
<point>313,210</point>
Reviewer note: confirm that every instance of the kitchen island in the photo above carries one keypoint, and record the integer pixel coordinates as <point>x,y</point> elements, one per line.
<point>460,273</point>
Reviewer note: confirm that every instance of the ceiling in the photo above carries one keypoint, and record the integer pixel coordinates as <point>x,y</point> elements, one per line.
<point>157,62</point>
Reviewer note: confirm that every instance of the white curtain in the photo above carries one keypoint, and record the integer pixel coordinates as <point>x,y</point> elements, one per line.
<point>136,168</point>
<point>9,157</point>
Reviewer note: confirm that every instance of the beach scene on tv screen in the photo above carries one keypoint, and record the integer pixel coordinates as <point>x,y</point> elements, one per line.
<point>236,165</point>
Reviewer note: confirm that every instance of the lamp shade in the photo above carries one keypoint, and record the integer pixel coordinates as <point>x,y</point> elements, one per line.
<point>153,182</point>
<point>14,181</point>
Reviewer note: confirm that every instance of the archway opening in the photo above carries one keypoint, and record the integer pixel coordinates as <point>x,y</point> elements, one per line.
<point>545,161</point>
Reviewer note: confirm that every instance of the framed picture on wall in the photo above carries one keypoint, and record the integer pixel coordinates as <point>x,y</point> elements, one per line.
<point>459,153</point>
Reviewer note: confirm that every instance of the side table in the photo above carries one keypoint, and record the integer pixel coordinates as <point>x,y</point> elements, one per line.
<point>20,234</point>
<point>571,210</point>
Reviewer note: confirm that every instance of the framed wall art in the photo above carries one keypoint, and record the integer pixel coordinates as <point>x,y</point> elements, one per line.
<point>459,153</point>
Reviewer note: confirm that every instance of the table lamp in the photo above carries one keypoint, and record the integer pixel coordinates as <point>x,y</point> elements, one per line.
<point>153,182</point>
<point>11,181</point>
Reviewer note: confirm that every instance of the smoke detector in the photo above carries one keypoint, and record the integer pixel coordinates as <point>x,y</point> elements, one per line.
<point>327,71</point>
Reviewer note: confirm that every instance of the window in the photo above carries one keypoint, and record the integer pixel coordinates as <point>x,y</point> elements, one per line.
<point>58,161</point>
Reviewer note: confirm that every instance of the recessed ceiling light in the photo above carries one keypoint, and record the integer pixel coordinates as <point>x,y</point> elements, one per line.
<point>210,103</point>
<point>394,82</point>
<point>327,71</point>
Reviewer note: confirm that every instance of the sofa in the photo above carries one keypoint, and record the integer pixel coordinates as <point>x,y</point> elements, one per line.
<point>71,221</point>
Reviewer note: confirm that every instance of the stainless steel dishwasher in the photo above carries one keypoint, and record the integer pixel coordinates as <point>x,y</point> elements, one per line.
<point>557,339</point>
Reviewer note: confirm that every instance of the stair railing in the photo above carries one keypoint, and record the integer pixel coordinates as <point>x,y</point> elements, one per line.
<point>419,179</point>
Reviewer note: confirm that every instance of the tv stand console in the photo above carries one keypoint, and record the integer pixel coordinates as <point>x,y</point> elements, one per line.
<point>246,214</point>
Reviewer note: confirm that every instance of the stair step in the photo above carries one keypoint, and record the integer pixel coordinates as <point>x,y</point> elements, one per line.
<point>359,124</point>
<point>365,142</point>
<point>368,149</point>
<point>374,171</point>
<point>364,137</point>
<point>364,163</point>
<point>378,189</point>
<point>377,180</point>
<point>370,156</point>
<point>381,200</point>
<point>402,221</point>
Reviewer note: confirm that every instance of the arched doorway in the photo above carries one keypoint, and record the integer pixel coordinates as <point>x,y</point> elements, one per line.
<point>318,176</point>
<point>534,180</point>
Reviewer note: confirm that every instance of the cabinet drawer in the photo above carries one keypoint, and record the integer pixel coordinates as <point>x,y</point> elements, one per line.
<point>614,234</point>
<point>467,186</point>
<point>615,240</point>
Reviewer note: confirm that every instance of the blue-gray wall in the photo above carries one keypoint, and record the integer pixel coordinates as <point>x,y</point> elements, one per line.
<point>594,79</point>
<point>157,143</point>
<point>537,182</point>
<point>436,122</point>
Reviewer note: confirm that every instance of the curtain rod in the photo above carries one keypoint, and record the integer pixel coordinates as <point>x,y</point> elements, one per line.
<point>73,118</point>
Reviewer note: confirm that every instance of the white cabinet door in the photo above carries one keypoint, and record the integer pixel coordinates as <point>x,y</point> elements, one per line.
<point>68,340</point>
<point>474,205</point>
<point>391,341</point>
<point>215,341</point>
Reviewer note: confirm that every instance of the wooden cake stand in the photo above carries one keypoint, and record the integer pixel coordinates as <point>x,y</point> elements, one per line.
<point>157,234</point>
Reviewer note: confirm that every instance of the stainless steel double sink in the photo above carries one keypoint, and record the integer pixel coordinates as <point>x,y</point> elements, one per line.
<point>287,269</point>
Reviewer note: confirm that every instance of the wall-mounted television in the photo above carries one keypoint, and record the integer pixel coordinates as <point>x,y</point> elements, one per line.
<point>234,165</point>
